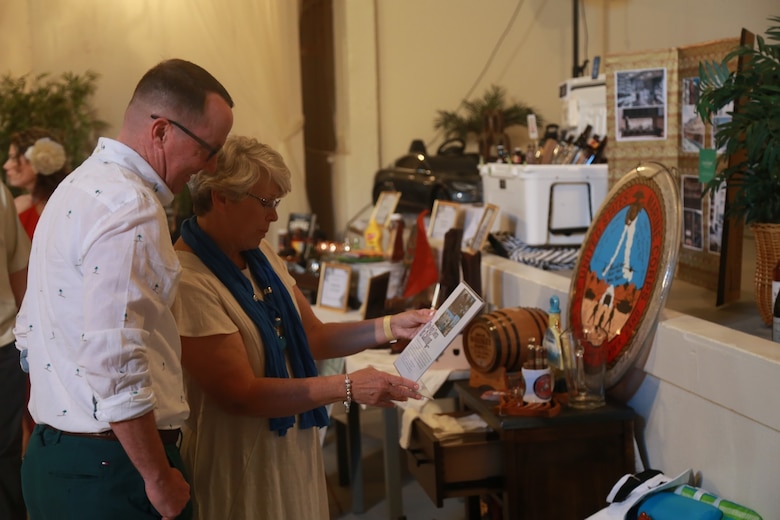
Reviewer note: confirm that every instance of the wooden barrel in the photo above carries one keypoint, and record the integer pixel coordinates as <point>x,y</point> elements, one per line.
<point>500,338</point>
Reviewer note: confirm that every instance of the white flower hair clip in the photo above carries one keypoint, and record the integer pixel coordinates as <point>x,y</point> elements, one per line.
<point>46,156</point>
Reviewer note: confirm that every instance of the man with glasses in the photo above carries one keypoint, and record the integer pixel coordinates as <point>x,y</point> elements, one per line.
<point>96,330</point>
<point>211,149</point>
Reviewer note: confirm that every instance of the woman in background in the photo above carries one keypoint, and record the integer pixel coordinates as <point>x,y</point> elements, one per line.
<point>36,164</point>
<point>249,341</point>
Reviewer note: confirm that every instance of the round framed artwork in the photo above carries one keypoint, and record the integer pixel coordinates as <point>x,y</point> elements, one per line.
<point>626,265</point>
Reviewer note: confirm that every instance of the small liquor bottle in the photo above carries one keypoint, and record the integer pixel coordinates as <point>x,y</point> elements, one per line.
<point>579,147</point>
<point>530,154</point>
<point>501,154</point>
<point>562,150</point>
<point>597,157</point>
<point>775,281</point>
<point>517,156</point>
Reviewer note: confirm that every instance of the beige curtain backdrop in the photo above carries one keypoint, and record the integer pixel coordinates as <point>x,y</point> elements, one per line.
<point>444,45</point>
<point>250,46</point>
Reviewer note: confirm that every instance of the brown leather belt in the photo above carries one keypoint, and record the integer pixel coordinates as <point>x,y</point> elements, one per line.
<point>167,436</point>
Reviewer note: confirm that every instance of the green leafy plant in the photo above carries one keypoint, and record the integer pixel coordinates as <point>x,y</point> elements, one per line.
<point>60,104</point>
<point>752,136</point>
<point>455,124</point>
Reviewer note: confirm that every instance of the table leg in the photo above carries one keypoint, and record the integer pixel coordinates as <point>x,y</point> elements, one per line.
<point>473,510</point>
<point>342,451</point>
<point>392,453</point>
<point>355,458</point>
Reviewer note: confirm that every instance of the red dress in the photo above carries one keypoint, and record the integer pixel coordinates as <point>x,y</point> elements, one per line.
<point>29,219</point>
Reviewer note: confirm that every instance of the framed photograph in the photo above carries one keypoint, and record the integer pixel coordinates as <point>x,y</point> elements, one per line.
<point>443,218</point>
<point>691,127</point>
<point>640,101</point>
<point>333,291</point>
<point>693,213</point>
<point>384,207</point>
<point>374,304</point>
<point>489,214</point>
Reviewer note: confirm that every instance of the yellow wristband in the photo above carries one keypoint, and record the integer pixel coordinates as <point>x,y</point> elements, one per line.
<point>388,331</point>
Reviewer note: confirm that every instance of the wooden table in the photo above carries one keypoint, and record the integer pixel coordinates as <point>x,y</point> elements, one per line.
<point>552,467</point>
<point>350,453</point>
<point>563,466</point>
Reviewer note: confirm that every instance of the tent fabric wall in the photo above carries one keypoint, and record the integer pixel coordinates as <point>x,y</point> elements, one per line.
<point>251,47</point>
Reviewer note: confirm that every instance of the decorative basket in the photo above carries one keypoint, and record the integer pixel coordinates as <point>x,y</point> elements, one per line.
<point>767,255</point>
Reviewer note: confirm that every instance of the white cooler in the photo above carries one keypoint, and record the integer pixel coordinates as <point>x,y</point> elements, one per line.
<point>545,204</point>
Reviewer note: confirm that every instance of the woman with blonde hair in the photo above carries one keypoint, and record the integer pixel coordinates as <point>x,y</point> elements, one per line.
<point>249,341</point>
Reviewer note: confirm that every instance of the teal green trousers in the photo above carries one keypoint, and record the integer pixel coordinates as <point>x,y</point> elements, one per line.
<point>65,477</point>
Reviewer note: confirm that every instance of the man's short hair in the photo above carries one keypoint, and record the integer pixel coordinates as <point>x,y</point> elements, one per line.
<point>179,85</point>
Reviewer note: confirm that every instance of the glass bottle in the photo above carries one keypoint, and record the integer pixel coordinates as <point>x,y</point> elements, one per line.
<point>776,320</point>
<point>530,155</point>
<point>517,156</point>
<point>501,154</point>
<point>775,281</point>
<point>597,157</point>
<point>552,343</point>
<point>562,150</point>
<point>579,146</point>
<point>373,237</point>
<point>537,356</point>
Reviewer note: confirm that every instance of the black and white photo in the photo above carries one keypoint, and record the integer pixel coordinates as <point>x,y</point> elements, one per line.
<point>640,100</point>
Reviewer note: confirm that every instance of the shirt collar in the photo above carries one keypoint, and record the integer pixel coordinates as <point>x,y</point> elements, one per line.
<point>110,150</point>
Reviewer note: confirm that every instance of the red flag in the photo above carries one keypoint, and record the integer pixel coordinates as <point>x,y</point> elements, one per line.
<point>423,272</point>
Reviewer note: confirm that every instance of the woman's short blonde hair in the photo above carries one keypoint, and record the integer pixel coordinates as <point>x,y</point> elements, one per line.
<point>241,163</point>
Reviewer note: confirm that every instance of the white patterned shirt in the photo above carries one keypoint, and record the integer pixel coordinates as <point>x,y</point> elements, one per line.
<point>102,344</point>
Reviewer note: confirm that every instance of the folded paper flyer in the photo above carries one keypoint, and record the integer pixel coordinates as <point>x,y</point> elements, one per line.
<point>430,341</point>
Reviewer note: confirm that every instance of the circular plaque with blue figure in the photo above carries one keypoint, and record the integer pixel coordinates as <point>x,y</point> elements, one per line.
<point>626,265</point>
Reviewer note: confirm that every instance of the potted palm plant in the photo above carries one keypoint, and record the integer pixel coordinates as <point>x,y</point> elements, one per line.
<point>484,119</point>
<point>61,104</point>
<point>752,140</point>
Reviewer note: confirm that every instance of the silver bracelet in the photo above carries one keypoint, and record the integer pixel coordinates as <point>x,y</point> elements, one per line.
<point>348,387</point>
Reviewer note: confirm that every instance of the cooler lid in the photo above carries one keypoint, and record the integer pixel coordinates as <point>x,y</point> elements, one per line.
<point>501,170</point>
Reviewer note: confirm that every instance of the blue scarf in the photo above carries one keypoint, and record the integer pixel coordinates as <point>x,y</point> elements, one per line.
<point>274,310</point>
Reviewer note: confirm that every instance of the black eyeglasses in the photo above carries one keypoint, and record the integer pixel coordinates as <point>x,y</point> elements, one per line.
<point>266,203</point>
<point>212,150</point>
